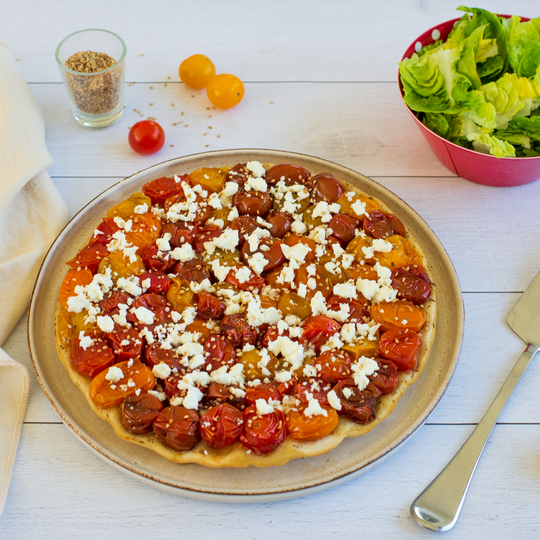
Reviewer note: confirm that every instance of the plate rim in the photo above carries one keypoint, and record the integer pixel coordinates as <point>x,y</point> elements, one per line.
<point>270,496</point>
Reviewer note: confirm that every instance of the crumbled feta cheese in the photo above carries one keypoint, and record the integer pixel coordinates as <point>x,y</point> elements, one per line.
<point>106,324</point>
<point>334,400</point>
<point>161,370</point>
<point>263,407</point>
<point>114,374</point>
<point>297,252</point>
<point>192,398</point>
<point>314,408</point>
<point>183,253</point>
<point>85,341</point>
<point>362,368</point>
<point>143,314</point>
<point>346,290</point>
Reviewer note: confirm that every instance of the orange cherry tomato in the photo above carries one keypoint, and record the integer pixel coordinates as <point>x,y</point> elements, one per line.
<point>401,346</point>
<point>311,428</point>
<point>146,229</point>
<point>79,276</point>
<point>106,393</point>
<point>335,365</point>
<point>400,314</point>
<point>196,71</point>
<point>225,91</point>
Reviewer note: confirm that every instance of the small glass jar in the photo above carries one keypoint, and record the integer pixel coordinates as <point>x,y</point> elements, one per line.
<point>96,93</point>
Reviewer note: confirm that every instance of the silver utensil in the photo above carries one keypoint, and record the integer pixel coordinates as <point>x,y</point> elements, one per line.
<point>439,505</point>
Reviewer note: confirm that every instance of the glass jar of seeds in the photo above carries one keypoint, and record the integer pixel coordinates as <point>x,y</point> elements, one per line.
<point>92,67</point>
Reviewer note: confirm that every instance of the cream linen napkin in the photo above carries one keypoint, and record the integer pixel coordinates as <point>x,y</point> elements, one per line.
<point>32,213</point>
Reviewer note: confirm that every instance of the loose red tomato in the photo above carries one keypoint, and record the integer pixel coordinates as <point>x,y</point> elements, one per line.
<point>146,137</point>
<point>218,352</point>
<point>237,330</point>
<point>290,174</point>
<point>399,314</point>
<point>318,329</point>
<point>335,365</point>
<point>326,188</point>
<point>401,346</point>
<point>138,412</point>
<point>385,378</point>
<point>105,393</point>
<point>263,433</point>
<point>358,405</point>
<point>221,425</point>
<point>74,278</point>
<point>93,359</point>
<point>412,283</point>
<point>89,257</point>
<point>381,224</point>
<point>178,428</point>
<point>225,91</point>
<point>311,428</point>
<point>266,391</point>
<point>196,71</point>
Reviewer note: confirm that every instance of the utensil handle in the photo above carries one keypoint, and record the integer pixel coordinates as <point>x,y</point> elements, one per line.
<point>439,505</point>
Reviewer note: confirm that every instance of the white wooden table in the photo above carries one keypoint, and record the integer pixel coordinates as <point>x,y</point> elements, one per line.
<point>320,79</point>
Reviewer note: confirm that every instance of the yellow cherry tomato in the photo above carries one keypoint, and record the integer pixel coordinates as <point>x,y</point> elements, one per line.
<point>225,91</point>
<point>196,71</point>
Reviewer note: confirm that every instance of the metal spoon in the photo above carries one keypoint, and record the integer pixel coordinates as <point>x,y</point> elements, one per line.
<point>439,505</point>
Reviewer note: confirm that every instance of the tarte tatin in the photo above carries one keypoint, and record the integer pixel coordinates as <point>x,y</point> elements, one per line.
<point>246,315</point>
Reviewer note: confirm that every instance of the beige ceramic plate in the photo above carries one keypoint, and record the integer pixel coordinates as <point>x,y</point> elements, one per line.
<point>300,476</point>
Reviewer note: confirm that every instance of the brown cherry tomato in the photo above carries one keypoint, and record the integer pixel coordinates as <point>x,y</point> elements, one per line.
<point>93,359</point>
<point>221,425</point>
<point>412,283</point>
<point>399,314</point>
<point>311,428</point>
<point>193,270</point>
<point>245,225</point>
<point>160,189</point>
<point>273,254</point>
<point>290,174</point>
<point>318,329</point>
<point>385,378</point>
<point>325,187</point>
<point>252,203</point>
<point>155,282</point>
<point>209,306</point>
<point>263,433</point>
<point>281,223</point>
<point>89,257</point>
<point>237,330</point>
<point>155,355</point>
<point>315,387</point>
<point>178,428</point>
<point>219,393</point>
<point>180,234</point>
<point>381,224</point>
<point>125,343</point>
<point>156,260</point>
<point>343,227</point>
<point>239,174</point>
<point>335,365</point>
<point>401,346</point>
<point>264,391</point>
<point>205,234</point>
<point>74,278</point>
<point>105,393</point>
<point>359,406</point>
<point>218,352</point>
<point>138,412</point>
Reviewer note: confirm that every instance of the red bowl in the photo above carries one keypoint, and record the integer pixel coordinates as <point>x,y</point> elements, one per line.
<point>474,166</point>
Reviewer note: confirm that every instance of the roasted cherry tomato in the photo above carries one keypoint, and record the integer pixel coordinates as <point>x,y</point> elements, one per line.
<point>91,360</point>
<point>160,189</point>
<point>293,239</point>
<point>205,234</point>
<point>252,283</point>
<point>325,187</point>
<point>74,278</point>
<point>245,225</point>
<point>146,137</point>
<point>412,283</point>
<point>271,251</point>
<point>343,227</point>
<point>108,392</point>
<point>155,282</point>
<point>196,71</point>
<point>281,223</point>
<point>146,229</point>
<point>225,90</point>
<point>266,391</point>
<point>318,329</point>
<point>89,257</point>
<point>237,330</point>
<point>401,346</point>
<point>180,295</point>
<point>125,343</point>
<point>209,306</point>
<point>218,352</point>
<point>385,378</point>
<point>155,259</point>
<point>180,234</point>
<point>311,428</point>
<point>221,425</point>
<point>381,224</point>
<point>357,405</point>
<point>109,304</point>
<point>402,253</point>
<point>155,355</point>
<point>155,303</point>
<point>290,174</point>
<point>335,365</point>
<point>138,412</point>
<point>193,270</point>
<point>178,428</point>
<point>126,208</point>
<point>238,174</point>
<point>398,314</point>
<point>263,433</point>
<point>211,179</point>
<point>358,309</point>
<point>104,231</point>
<point>218,393</point>
<point>252,203</point>
<point>313,387</point>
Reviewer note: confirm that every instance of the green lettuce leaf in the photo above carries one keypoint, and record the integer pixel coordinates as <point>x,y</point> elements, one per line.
<point>488,144</point>
<point>527,126</point>
<point>523,42</point>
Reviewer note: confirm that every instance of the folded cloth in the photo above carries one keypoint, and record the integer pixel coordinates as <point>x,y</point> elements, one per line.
<point>32,213</point>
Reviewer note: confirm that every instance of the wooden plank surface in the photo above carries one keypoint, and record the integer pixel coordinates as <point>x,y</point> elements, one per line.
<point>320,79</point>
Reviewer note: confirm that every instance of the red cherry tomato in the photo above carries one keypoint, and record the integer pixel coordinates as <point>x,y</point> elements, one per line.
<point>358,309</point>
<point>154,355</point>
<point>146,137</point>
<point>335,365</point>
<point>381,224</point>
<point>109,304</point>
<point>193,270</point>
<point>209,306</point>
<point>326,188</point>
<point>412,283</point>
<point>159,282</point>
<point>125,343</point>
<point>316,389</point>
<point>218,352</point>
<point>263,433</point>
<point>252,203</point>
<point>225,91</point>
<point>178,428</point>
<point>221,425</point>
<point>238,174</point>
<point>196,71</point>
<point>237,330</point>
<point>358,405</point>
<point>160,189</point>
<point>281,223</point>
<point>89,257</point>
<point>180,234</point>
<point>262,391</point>
<point>253,282</point>
<point>93,359</point>
<point>318,329</point>
<point>290,174</point>
<point>401,346</point>
<point>154,259</point>
<point>385,378</point>
<point>138,412</point>
<point>104,231</point>
<point>343,227</point>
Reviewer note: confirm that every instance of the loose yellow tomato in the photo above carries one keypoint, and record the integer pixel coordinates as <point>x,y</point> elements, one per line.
<point>225,91</point>
<point>196,71</point>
